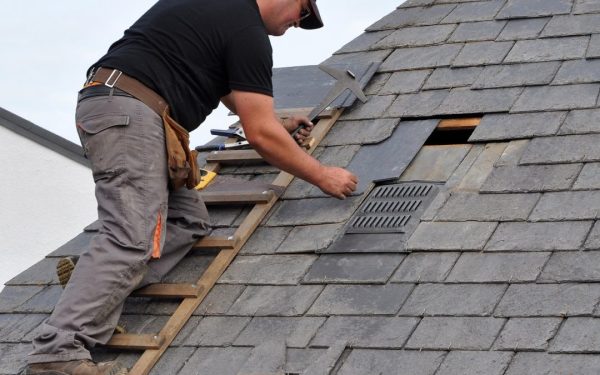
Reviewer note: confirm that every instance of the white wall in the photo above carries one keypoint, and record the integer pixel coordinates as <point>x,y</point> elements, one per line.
<point>45,200</point>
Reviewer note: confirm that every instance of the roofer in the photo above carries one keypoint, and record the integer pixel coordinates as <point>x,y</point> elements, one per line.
<point>159,81</point>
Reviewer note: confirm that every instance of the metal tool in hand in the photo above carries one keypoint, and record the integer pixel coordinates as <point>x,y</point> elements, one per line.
<point>345,79</point>
<point>237,133</point>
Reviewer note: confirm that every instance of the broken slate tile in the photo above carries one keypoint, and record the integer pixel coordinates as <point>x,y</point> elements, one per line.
<point>482,207</point>
<point>550,49</point>
<point>421,57</point>
<point>366,332</point>
<point>515,126</point>
<point>473,180</point>
<point>313,211</point>
<point>304,361</point>
<point>572,267</point>
<point>416,36</point>
<point>576,205</point>
<point>364,42</point>
<point>435,163</point>
<point>425,267</point>
<point>577,335</point>
<point>459,333</point>
<point>530,300</point>
<point>531,178</point>
<point>360,132</point>
<point>216,361</point>
<point>296,332</point>
<point>267,269</point>
<point>534,8</point>
<point>475,363</point>
<point>370,361</point>
<point>265,240</point>
<point>324,364</point>
<point>448,236</point>
<point>443,78</point>
<point>527,334</point>
<point>482,53</point>
<point>553,364</point>
<point>517,75</point>
<point>359,268</point>
<point>477,31</point>
<point>551,98</point>
<point>374,108</point>
<point>430,15</point>
<point>453,300</point>
<point>219,299</point>
<point>405,82</point>
<point>275,300</point>
<point>581,122</point>
<point>476,11</point>
<point>593,240</point>
<point>360,299</point>
<point>517,29</point>
<point>266,358</point>
<point>170,362</point>
<point>545,236</point>
<point>493,268</point>
<point>310,238</point>
<point>464,100</point>
<point>572,25</point>
<point>512,153</point>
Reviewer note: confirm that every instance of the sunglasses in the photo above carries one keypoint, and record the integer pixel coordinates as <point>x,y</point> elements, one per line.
<point>304,14</point>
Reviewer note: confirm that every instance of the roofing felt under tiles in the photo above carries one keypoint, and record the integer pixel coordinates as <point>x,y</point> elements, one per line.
<point>494,279</point>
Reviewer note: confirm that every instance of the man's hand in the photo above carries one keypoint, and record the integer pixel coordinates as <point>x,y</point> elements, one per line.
<point>337,182</point>
<point>292,123</point>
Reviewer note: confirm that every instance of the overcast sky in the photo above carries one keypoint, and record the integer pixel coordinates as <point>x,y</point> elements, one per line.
<point>48,45</point>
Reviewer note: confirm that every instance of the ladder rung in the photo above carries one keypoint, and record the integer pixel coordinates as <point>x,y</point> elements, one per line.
<point>168,291</point>
<point>135,341</point>
<point>214,242</point>
<point>229,157</point>
<point>218,198</point>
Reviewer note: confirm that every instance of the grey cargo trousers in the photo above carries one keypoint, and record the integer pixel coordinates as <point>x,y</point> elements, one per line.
<point>124,141</point>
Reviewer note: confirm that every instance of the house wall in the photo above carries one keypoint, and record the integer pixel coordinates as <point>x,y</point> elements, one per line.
<point>45,200</point>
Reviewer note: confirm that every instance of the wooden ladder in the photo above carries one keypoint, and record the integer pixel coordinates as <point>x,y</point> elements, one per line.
<point>192,295</point>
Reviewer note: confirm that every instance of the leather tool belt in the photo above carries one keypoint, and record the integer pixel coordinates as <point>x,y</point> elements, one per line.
<point>183,168</point>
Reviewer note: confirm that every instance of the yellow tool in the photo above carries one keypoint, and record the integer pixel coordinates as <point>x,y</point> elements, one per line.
<point>206,177</point>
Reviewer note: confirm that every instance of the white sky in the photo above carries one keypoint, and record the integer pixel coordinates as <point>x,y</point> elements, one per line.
<point>47,47</point>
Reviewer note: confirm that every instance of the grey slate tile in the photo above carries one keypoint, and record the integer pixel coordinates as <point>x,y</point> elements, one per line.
<point>550,49</point>
<point>545,236</point>
<point>171,361</point>
<point>475,363</point>
<point>517,29</point>
<point>223,216</point>
<point>531,300</point>
<point>421,57</point>
<point>405,82</point>
<point>576,205</point>
<point>310,238</point>
<point>477,31</point>
<point>534,8</point>
<point>389,158</point>
<point>416,36</point>
<point>266,358</point>
<point>360,132</point>
<point>593,240</point>
<point>275,300</point>
<point>594,47</point>
<point>360,300</point>
<point>514,126</point>
<point>42,302</point>
<point>578,335</point>
<point>41,273</point>
<point>420,104</point>
<point>216,361</point>
<point>463,100</point>
<point>565,149</point>
<point>486,207</point>
<point>531,178</point>
<point>265,240</point>
<point>297,332</point>
<point>512,153</point>
<point>578,71</point>
<point>366,332</point>
<point>16,327</point>
<point>189,270</point>
<point>443,78</point>
<point>581,122</point>
<point>435,163</point>
<point>504,267</point>
<point>358,58</point>
<point>324,364</point>
<point>474,178</point>
<point>357,268</point>
<point>527,334</point>
<point>458,333</point>
<point>572,267</point>
<point>219,299</point>
<point>425,267</point>
<point>477,11</point>
<point>13,358</point>
<point>517,75</point>
<point>586,6</point>
<point>364,42</point>
<point>552,98</point>
<point>313,211</point>
<point>431,15</point>
<point>572,25</point>
<point>374,108</point>
<point>267,269</point>
<point>75,246</point>
<point>453,300</point>
<point>448,236</point>
<point>553,364</point>
<point>369,361</point>
<point>482,53</point>
<point>375,84</point>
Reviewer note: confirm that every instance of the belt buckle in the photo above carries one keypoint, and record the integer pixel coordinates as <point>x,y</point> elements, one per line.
<point>114,82</point>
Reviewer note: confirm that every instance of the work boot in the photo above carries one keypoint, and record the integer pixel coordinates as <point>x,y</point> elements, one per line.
<point>64,270</point>
<point>81,367</point>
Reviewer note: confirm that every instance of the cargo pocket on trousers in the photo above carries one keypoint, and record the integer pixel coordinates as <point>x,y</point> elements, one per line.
<point>102,142</point>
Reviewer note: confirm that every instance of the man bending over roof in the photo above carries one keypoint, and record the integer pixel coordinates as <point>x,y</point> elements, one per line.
<point>155,84</point>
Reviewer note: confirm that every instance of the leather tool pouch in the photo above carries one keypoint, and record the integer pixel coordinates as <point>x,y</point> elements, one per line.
<point>183,168</point>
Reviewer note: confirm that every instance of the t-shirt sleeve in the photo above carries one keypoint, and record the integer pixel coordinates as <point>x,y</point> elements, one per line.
<point>250,61</point>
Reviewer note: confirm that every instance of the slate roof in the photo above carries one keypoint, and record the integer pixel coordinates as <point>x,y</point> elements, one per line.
<point>499,278</point>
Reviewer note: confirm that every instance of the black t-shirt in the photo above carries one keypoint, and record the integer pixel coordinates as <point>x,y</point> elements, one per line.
<point>193,52</point>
